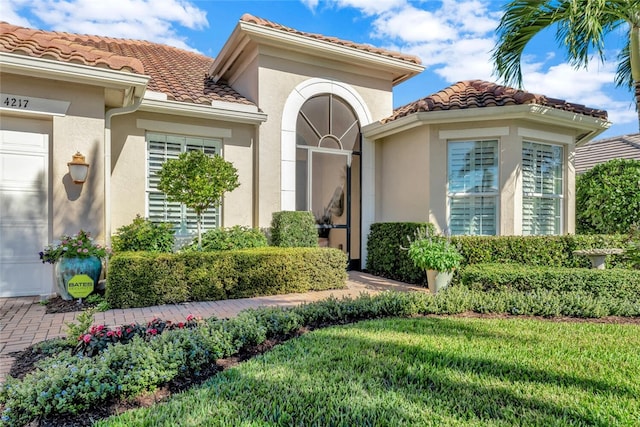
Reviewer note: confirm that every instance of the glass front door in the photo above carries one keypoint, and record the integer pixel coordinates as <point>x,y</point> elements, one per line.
<point>328,172</point>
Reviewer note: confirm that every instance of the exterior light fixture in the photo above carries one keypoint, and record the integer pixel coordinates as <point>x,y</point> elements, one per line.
<point>78,168</point>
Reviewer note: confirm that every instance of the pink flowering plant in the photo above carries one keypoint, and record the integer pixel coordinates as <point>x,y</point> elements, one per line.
<point>98,337</point>
<point>79,245</point>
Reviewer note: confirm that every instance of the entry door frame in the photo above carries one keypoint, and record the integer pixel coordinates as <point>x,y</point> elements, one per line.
<point>337,152</point>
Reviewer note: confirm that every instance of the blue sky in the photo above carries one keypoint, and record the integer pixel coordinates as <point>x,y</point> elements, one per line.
<point>453,37</point>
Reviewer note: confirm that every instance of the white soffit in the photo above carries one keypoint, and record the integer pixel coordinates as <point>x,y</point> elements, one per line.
<point>473,133</point>
<point>218,110</point>
<point>183,129</point>
<point>545,136</point>
<point>533,112</point>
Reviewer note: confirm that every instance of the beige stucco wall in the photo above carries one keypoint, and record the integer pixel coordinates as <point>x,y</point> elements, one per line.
<point>411,170</point>
<point>129,153</point>
<point>73,206</point>
<point>403,163</point>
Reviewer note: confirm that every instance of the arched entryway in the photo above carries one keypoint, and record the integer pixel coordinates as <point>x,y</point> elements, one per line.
<point>328,171</point>
<point>322,160</point>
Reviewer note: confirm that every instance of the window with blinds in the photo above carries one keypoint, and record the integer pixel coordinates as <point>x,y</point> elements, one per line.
<point>542,187</point>
<point>160,148</point>
<point>473,187</point>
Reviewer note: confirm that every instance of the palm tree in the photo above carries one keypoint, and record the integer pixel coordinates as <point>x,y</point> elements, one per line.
<point>581,28</point>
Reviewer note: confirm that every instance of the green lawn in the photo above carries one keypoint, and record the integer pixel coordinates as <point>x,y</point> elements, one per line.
<point>421,372</point>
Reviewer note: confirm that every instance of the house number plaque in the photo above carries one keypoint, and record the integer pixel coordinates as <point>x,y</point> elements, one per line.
<point>32,104</point>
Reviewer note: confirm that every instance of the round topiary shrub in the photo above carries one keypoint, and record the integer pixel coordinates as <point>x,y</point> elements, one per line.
<point>608,197</point>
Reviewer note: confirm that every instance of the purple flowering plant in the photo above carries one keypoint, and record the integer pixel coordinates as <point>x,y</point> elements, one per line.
<point>79,245</point>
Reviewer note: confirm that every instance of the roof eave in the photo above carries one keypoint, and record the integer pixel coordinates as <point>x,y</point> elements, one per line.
<point>400,69</point>
<point>76,73</point>
<point>590,126</point>
<point>219,110</point>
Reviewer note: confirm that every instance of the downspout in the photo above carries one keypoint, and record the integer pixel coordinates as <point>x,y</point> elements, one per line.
<point>107,162</point>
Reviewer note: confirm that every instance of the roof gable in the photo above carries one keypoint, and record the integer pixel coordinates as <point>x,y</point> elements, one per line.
<point>346,43</point>
<point>479,93</point>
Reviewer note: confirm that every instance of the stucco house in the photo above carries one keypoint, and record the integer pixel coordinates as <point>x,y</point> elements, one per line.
<point>307,120</point>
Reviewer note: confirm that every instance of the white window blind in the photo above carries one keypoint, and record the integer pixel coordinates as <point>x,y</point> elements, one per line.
<point>473,187</point>
<point>542,186</point>
<point>160,148</point>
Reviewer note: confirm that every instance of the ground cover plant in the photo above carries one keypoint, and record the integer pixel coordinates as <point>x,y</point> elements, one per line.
<point>66,386</point>
<point>424,371</point>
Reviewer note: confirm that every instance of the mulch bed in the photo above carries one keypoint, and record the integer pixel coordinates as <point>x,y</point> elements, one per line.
<point>58,305</point>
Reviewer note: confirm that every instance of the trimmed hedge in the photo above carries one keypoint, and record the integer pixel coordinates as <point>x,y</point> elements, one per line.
<point>143,279</point>
<point>230,238</point>
<point>387,259</point>
<point>384,256</point>
<point>610,283</point>
<point>292,229</point>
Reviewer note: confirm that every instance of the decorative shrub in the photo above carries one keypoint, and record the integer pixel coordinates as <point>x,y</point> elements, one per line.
<point>225,239</point>
<point>387,260</point>
<point>98,337</point>
<point>145,279</point>
<point>292,229</point>
<point>611,283</point>
<point>552,251</point>
<point>144,235</point>
<point>608,197</point>
<point>384,255</point>
<point>430,252</point>
<point>632,251</point>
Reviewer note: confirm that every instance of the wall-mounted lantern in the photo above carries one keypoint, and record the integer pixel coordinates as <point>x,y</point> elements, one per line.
<point>78,168</point>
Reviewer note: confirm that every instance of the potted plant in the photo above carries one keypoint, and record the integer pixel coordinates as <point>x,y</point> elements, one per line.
<point>436,256</point>
<point>74,255</point>
<point>324,224</point>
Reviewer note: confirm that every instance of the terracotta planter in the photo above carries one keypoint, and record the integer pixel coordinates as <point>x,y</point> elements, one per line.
<point>66,268</point>
<point>438,280</point>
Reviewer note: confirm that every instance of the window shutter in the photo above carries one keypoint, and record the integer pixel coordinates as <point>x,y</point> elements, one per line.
<point>542,187</point>
<point>473,187</point>
<point>161,148</point>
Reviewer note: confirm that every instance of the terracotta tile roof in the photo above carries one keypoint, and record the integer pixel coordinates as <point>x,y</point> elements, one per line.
<point>57,46</point>
<point>602,150</point>
<point>178,73</point>
<point>479,93</point>
<point>360,46</point>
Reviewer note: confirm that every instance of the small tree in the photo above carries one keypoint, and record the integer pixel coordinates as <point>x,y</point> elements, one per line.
<point>608,197</point>
<point>197,180</point>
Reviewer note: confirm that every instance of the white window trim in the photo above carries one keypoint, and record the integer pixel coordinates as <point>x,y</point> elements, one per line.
<point>470,136</point>
<point>535,140</point>
<point>219,144</point>
<point>180,129</point>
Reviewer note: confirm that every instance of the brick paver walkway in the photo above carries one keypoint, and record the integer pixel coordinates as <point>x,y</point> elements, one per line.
<point>23,321</point>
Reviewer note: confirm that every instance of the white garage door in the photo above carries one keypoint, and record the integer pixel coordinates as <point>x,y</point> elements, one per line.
<point>23,213</point>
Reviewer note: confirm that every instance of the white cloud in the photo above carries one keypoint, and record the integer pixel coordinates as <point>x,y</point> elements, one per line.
<point>10,12</point>
<point>311,4</point>
<point>584,86</point>
<point>413,25</point>
<point>153,20</point>
<point>370,7</point>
